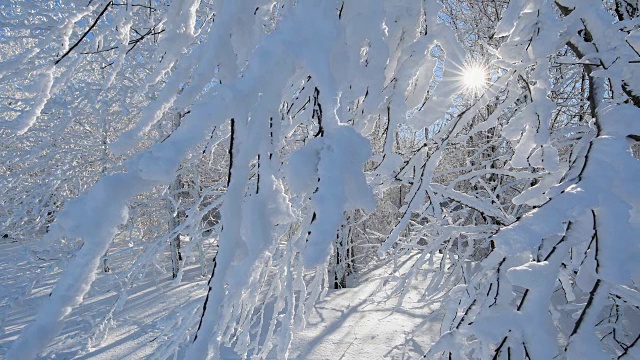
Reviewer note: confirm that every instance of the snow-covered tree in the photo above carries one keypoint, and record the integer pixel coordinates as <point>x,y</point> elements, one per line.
<point>274,143</point>
<point>560,280</point>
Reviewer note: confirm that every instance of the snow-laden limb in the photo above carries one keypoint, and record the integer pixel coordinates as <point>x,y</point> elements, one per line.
<point>94,217</point>
<point>581,240</point>
<point>341,186</point>
<point>251,99</point>
<point>235,262</point>
<point>519,198</point>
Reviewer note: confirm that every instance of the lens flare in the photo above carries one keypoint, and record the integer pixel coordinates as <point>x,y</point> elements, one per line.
<point>474,78</point>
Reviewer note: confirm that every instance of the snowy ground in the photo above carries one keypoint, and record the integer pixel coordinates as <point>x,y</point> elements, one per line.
<point>361,322</point>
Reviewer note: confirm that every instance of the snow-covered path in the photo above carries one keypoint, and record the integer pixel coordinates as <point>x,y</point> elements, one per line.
<point>362,322</point>
<point>359,322</point>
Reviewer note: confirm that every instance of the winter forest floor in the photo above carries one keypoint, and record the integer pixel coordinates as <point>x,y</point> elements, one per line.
<point>359,322</point>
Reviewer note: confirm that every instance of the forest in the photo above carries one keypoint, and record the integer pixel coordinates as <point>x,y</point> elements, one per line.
<point>335,179</point>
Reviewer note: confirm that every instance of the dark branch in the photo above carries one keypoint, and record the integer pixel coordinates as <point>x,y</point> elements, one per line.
<point>95,22</point>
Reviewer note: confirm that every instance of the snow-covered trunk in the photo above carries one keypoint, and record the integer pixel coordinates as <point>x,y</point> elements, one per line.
<point>344,254</point>
<point>174,243</point>
<point>175,213</point>
<point>103,171</point>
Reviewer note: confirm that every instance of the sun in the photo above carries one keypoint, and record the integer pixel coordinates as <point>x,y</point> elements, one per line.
<point>474,78</point>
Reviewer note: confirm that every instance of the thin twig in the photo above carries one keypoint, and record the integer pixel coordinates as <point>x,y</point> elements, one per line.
<point>95,22</point>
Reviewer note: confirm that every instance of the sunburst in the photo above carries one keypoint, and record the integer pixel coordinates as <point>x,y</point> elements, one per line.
<point>474,77</point>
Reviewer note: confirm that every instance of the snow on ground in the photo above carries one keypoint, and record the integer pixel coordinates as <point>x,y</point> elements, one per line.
<point>363,322</point>
<point>360,322</point>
